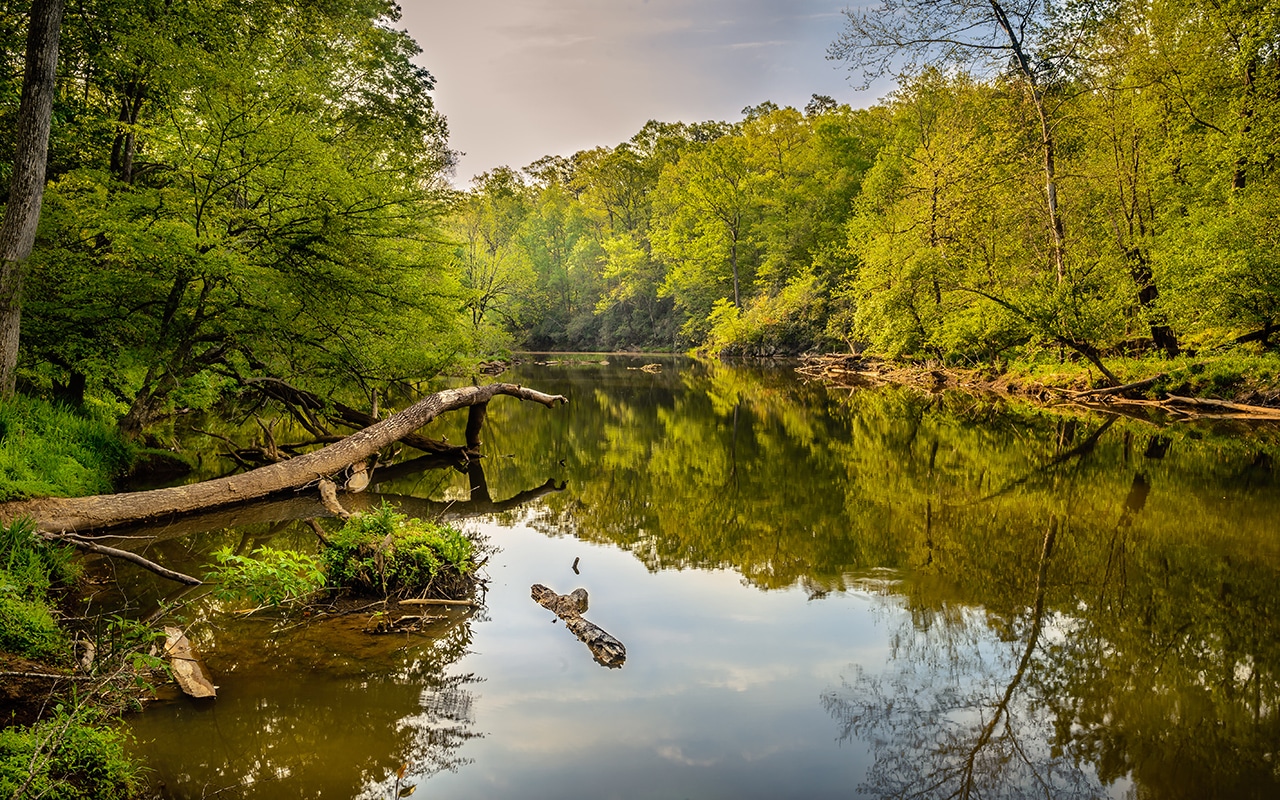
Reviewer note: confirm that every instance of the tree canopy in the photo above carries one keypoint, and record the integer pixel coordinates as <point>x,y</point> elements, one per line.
<point>246,189</point>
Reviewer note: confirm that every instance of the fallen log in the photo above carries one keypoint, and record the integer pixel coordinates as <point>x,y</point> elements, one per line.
<point>59,515</point>
<point>1225,407</point>
<point>1119,390</point>
<point>606,650</point>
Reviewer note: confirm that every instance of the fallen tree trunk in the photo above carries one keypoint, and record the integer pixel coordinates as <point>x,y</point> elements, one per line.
<point>1120,390</point>
<point>303,406</point>
<point>1224,407</point>
<point>606,650</point>
<point>58,515</point>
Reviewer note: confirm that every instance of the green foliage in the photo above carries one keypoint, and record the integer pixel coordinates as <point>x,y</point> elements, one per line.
<point>266,577</point>
<point>47,450</point>
<point>385,552</point>
<point>29,568</point>
<point>1104,183</point>
<point>30,563</point>
<point>61,758</point>
<point>785,323</point>
<point>267,202</point>
<point>27,627</point>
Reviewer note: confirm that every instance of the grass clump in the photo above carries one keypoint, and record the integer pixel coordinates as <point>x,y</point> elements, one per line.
<point>47,450</point>
<point>387,553</point>
<point>28,629</point>
<point>381,553</point>
<point>62,758</point>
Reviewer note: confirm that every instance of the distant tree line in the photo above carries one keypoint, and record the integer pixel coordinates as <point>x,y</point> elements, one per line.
<point>1078,178</point>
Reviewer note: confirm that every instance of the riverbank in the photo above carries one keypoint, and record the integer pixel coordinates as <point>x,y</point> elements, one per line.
<point>1226,386</point>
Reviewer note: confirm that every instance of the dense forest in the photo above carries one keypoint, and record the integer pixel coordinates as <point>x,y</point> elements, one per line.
<point>1092,179</point>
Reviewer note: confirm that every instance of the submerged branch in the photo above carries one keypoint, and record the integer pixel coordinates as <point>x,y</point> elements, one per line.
<point>113,552</point>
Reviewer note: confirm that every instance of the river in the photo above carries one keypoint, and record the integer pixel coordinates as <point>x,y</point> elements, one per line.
<point>823,593</point>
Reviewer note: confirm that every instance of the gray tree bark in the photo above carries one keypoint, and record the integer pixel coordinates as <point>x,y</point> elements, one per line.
<point>26,192</point>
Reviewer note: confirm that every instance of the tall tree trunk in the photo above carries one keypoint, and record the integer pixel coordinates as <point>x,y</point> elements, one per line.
<point>26,192</point>
<point>1056,227</point>
<point>125,146</point>
<point>733,262</point>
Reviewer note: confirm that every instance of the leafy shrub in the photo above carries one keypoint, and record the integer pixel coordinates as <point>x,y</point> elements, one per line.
<point>387,553</point>
<point>62,759</point>
<point>27,627</point>
<point>29,568</point>
<point>266,577</point>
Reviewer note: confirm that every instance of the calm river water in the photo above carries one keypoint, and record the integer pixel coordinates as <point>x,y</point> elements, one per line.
<point>823,593</point>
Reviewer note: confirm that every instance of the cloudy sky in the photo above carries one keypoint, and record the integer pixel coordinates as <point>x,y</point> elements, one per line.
<point>520,79</point>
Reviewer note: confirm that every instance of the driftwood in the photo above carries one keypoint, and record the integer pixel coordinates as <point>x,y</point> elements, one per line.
<point>1120,390</point>
<point>432,602</point>
<point>58,515</point>
<point>1224,407</point>
<point>188,670</point>
<point>606,650</point>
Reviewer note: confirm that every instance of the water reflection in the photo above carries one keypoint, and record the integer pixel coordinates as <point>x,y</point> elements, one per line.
<point>1138,640</point>
<point>1069,604</point>
<point>317,711</point>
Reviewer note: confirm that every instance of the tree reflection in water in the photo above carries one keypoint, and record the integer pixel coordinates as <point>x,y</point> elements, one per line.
<point>1142,647</point>
<point>319,712</point>
<point>952,719</point>
<point>1133,645</point>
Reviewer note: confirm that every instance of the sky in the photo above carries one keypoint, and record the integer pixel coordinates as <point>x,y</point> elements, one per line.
<point>520,79</point>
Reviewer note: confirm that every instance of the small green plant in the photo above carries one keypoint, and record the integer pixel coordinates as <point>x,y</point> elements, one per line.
<point>30,562</point>
<point>385,552</point>
<point>63,758</point>
<point>266,577</point>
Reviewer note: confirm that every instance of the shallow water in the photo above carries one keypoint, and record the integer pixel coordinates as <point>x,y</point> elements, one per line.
<point>823,593</point>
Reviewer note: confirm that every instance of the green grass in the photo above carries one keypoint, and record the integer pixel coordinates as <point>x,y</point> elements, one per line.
<point>29,569</point>
<point>49,451</point>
